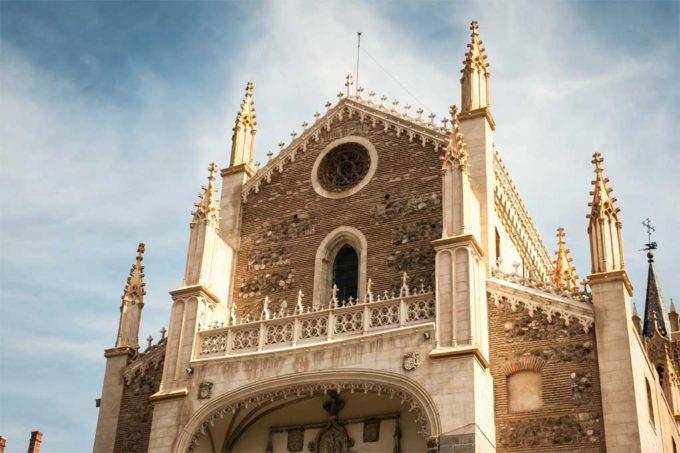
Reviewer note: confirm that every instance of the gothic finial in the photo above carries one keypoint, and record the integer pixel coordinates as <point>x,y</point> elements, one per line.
<point>655,309</point>
<point>349,81</point>
<point>243,140</point>
<point>604,226</point>
<point>232,314</point>
<point>334,297</point>
<point>673,307</point>
<point>265,308</point>
<point>635,311</point>
<point>149,341</point>
<point>163,332</point>
<point>564,275</point>
<point>475,89</point>
<point>207,208</point>
<point>456,153</point>
<point>299,308</point>
<point>404,290</point>
<point>134,288</point>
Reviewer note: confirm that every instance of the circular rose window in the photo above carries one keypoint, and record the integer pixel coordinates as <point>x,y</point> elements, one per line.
<point>343,167</point>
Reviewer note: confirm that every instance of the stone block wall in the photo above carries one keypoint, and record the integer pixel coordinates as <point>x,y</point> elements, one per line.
<point>142,379</point>
<point>283,224</point>
<point>570,418</point>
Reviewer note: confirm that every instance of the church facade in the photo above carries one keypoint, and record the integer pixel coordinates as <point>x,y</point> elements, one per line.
<point>379,286</point>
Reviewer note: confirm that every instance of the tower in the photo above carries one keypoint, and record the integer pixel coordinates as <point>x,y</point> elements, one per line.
<point>617,347</point>
<point>117,357</point>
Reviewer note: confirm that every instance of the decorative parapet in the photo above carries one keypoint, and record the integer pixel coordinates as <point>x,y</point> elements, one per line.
<point>314,327</point>
<point>529,295</point>
<point>516,219</point>
<point>142,361</point>
<point>379,115</point>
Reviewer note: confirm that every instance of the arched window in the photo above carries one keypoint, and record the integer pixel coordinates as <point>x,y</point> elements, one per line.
<point>346,273</point>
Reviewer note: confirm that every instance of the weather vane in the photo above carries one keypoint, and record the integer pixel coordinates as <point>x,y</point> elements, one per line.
<point>650,245</point>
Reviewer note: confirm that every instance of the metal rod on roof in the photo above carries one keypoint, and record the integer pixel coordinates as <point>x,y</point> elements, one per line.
<point>356,87</point>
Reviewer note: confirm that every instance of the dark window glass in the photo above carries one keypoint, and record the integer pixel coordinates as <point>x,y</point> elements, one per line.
<point>346,273</point>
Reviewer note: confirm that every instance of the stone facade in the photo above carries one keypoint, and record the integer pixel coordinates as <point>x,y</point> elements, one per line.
<point>452,331</point>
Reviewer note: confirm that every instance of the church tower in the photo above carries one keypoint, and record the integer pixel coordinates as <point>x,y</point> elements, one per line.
<point>117,357</point>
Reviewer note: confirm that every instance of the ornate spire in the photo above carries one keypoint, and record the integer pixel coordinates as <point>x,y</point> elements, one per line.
<point>207,210</point>
<point>132,304</point>
<point>655,310</point>
<point>456,153</point>
<point>134,288</point>
<point>564,275</point>
<point>475,79</point>
<point>604,226</point>
<point>243,140</point>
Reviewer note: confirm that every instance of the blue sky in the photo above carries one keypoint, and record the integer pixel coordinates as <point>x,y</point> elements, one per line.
<point>111,111</point>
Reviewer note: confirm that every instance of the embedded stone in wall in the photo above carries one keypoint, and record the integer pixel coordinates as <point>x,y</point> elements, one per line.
<point>390,209</point>
<point>269,257</point>
<point>295,227</point>
<point>582,428</point>
<point>257,286</point>
<point>528,328</point>
<point>568,353</point>
<point>411,259</point>
<point>581,387</point>
<point>416,231</point>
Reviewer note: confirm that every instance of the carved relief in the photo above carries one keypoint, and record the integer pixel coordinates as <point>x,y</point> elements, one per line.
<point>411,361</point>
<point>205,390</point>
<point>372,430</point>
<point>296,439</point>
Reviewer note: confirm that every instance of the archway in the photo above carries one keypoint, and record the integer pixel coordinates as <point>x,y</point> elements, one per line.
<point>379,410</point>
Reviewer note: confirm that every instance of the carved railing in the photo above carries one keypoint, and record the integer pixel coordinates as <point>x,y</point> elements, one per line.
<point>331,324</point>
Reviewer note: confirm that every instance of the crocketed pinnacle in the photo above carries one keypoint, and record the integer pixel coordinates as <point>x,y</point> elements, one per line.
<point>655,310</point>
<point>207,209</point>
<point>134,288</point>
<point>564,275</point>
<point>475,57</point>
<point>246,117</point>
<point>456,153</point>
<point>604,226</point>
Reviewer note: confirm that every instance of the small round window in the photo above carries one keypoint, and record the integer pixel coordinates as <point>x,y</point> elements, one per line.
<point>343,167</point>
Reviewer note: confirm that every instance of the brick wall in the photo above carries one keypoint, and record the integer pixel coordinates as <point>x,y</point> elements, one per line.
<point>571,416</point>
<point>399,212</point>
<point>136,410</point>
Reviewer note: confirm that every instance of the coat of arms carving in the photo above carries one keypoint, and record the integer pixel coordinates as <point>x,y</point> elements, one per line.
<point>205,390</point>
<point>411,361</point>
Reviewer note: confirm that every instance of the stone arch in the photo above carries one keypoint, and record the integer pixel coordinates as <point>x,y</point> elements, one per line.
<point>325,255</point>
<point>396,386</point>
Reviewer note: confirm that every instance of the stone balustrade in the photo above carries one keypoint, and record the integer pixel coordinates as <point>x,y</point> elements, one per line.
<point>331,324</point>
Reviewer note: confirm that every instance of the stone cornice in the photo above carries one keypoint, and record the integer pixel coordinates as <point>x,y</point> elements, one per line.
<point>181,393</point>
<point>478,113</point>
<point>460,351</point>
<point>465,239</point>
<point>379,116</point>
<point>530,299</point>
<point>238,169</point>
<point>193,290</point>
<point>113,352</point>
<point>612,276</point>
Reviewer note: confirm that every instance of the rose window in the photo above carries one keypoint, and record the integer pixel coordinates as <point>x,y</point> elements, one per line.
<point>344,167</point>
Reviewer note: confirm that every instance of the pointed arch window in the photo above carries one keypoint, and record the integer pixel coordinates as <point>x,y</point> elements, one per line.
<point>346,273</point>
